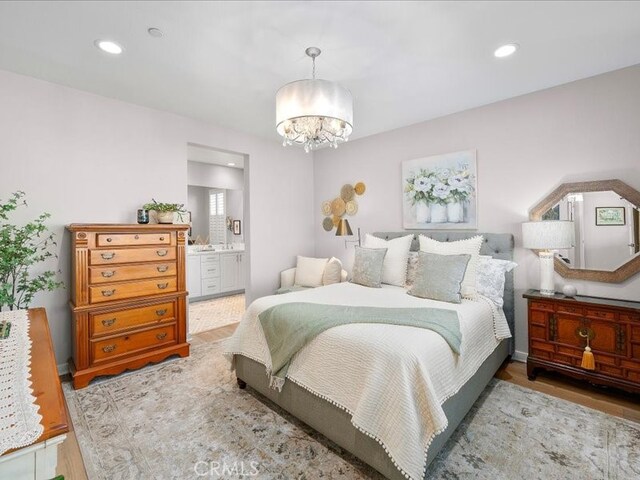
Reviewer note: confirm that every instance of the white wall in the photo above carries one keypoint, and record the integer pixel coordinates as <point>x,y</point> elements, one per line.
<point>86,158</point>
<point>527,146</point>
<point>215,176</point>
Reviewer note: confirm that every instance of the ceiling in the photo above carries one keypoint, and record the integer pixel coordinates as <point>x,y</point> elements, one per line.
<point>202,154</point>
<point>404,62</point>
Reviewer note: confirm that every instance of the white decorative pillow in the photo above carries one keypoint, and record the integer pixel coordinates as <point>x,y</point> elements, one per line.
<point>309,271</point>
<point>394,270</point>
<point>490,277</point>
<point>469,246</point>
<point>332,272</point>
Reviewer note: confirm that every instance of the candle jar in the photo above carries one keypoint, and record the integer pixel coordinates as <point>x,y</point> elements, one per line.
<point>143,216</point>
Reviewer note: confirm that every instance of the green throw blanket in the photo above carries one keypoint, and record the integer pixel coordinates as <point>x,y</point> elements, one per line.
<point>290,326</point>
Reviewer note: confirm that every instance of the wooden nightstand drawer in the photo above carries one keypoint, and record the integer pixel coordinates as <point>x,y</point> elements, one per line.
<point>570,309</point>
<point>601,314</point>
<point>548,307</point>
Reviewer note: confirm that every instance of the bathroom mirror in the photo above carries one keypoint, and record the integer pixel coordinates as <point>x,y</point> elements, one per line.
<point>607,229</point>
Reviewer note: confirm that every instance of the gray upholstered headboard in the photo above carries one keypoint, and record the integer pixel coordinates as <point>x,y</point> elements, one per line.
<point>498,245</point>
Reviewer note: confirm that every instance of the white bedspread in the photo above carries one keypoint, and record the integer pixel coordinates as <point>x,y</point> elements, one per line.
<point>392,379</point>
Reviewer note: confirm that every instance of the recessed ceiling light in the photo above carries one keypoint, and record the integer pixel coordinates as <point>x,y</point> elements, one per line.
<point>231,164</point>
<point>506,50</point>
<point>155,32</point>
<point>109,46</point>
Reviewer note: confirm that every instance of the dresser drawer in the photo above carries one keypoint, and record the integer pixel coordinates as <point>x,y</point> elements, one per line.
<point>570,309</point>
<point>118,291</point>
<point>601,314</point>
<point>210,286</point>
<point>132,239</point>
<point>119,273</point>
<point>545,306</point>
<point>132,255</point>
<point>119,320</point>
<point>132,342</point>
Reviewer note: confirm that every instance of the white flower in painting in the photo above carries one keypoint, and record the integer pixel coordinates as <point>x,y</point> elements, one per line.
<point>458,182</point>
<point>423,184</point>
<point>441,191</point>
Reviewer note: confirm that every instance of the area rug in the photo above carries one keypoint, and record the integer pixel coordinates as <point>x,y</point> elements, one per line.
<point>210,314</point>
<point>186,418</point>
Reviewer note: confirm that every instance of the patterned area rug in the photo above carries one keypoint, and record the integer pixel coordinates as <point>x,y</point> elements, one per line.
<point>210,314</point>
<point>186,418</point>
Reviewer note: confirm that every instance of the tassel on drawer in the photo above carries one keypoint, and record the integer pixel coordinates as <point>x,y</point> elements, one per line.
<point>588,361</point>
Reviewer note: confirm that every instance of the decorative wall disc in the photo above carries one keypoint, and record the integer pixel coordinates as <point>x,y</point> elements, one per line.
<point>326,208</point>
<point>346,192</point>
<point>351,207</point>
<point>327,224</point>
<point>336,220</point>
<point>360,188</point>
<point>338,207</point>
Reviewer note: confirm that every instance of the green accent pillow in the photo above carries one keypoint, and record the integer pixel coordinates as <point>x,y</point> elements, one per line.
<point>368,265</point>
<point>292,288</point>
<point>439,277</point>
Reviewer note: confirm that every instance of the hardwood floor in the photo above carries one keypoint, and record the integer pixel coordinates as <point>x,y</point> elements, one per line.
<point>608,401</point>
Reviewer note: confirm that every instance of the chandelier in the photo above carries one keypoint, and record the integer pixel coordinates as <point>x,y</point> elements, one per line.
<point>314,112</point>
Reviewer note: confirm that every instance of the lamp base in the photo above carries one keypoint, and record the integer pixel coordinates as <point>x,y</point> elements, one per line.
<point>547,285</point>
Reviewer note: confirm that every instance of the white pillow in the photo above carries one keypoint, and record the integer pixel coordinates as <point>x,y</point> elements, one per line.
<point>470,246</point>
<point>490,277</point>
<point>309,271</point>
<point>394,269</point>
<point>332,272</point>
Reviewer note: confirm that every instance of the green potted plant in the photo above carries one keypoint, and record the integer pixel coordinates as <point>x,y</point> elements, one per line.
<point>165,212</point>
<point>21,249</point>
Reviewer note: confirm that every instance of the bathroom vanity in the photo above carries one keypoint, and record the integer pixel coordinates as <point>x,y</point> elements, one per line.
<point>215,272</point>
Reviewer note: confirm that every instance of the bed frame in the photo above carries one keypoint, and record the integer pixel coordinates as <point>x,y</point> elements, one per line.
<point>335,424</point>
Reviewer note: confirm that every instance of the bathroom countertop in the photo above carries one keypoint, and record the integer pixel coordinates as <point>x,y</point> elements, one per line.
<point>218,250</point>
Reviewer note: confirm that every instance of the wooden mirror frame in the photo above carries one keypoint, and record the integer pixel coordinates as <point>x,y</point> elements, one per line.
<point>624,271</point>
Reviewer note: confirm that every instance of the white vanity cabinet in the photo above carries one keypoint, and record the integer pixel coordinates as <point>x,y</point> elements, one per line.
<point>232,270</point>
<point>213,273</point>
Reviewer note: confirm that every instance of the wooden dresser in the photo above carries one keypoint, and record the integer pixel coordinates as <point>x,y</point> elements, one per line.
<point>128,297</point>
<point>555,324</point>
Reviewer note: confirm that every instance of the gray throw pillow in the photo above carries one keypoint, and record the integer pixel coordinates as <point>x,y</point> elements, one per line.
<point>439,277</point>
<point>367,268</point>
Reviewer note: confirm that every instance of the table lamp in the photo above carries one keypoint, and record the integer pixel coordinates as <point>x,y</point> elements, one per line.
<point>546,236</point>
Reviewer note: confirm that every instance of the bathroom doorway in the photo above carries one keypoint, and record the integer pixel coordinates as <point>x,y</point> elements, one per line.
<point>217,254</point>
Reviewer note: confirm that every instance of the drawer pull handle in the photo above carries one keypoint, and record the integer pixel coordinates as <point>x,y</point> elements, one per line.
<point>161,312</point>
<point>109,274</point>
<point>109,239</point>
<point>107,256</point>
<point>162,253</point>
<point>109,348</point>
<point>162,286</point>
<point>108,322</point>
<point>108,293</point>
<point>162,239</point>
<point>161,336</point>
<point>163,268</point>
<point>137,237</point>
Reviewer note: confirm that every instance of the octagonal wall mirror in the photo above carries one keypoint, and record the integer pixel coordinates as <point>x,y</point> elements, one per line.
<point>606,218</point>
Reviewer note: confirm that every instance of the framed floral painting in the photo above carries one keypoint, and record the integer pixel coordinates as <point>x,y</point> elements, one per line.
<point>440,192</point>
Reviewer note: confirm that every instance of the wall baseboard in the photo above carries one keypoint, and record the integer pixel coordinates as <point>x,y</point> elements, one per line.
<point>519,356</point>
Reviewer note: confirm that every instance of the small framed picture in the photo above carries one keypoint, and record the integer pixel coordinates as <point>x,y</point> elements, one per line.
<point>237,229</point>
<point>610,216</point>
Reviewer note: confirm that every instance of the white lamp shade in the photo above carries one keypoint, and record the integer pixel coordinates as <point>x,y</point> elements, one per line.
<point>548,235</point>
<point>314,98</point>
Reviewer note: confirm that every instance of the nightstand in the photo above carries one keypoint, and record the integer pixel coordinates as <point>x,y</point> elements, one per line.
<point>555,324</point>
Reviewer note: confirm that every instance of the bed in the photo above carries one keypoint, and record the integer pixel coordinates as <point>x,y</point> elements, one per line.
<point>335,419</point>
